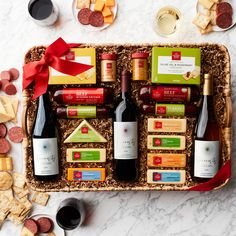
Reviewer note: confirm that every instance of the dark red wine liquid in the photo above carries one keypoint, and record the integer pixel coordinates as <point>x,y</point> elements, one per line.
<point>68,217</point>
<point>41,9</point>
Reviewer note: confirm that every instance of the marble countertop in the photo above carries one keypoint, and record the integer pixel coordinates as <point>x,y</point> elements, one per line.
<point>126,213</point>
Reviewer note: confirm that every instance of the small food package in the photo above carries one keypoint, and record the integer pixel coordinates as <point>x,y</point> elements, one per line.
<point>176,65</point>
<point>81,55</point>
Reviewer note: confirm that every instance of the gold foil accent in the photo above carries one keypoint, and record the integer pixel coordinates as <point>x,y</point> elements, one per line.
<point>208,85</point>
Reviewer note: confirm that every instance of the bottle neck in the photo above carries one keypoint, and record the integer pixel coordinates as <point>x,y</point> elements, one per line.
<point>125,86</point>
<point>208,87</point>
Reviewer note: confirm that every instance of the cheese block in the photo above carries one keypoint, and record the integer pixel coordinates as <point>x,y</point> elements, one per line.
<point>86,154</point>
<point>85,133</point>
<point>110,3</point>
<point>108,19</point>
<point>167,125</point>
<point>99,5</point>
<point>106,11</point>
<point>166,160</point>
<point>166,176</point>
<point>86,174</point>
<point>6,164</point>
<point>166,142</point>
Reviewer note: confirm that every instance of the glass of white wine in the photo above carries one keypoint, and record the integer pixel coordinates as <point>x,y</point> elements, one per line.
<point>167,21</point>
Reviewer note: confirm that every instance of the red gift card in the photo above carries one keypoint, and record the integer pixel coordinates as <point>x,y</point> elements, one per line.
<point>176,56</point>
<point>156,176</point>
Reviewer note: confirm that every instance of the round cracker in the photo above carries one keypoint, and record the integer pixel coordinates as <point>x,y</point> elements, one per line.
<point>6,180</point>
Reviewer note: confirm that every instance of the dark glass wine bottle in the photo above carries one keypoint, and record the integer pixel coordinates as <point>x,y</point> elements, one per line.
<point>206,143</point>
<point>45,147</point>
<point>125,134</point>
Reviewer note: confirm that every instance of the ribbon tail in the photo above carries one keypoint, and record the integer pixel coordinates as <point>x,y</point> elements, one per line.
<point>222,175</point>
<point>41,83</point>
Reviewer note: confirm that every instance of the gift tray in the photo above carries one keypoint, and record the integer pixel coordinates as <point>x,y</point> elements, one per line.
<point>214,59</point>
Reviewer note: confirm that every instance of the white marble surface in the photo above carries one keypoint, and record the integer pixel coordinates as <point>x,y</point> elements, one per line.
<point>126,213</point>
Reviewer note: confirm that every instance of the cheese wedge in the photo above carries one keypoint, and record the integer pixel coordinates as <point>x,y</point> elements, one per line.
<point>108,19</point>
<point>110,3</point>
<point>99,5</point>
<point>85,133</point>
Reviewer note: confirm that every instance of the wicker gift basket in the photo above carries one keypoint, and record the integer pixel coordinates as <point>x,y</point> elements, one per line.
<point>214,59</point>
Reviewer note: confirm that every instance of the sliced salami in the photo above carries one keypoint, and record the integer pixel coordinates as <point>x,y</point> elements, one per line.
<point>224,7</point>
<point>10,89</point>
<point>224,20</point>
<point>45,224</point>
<point>83,16</point>
<point>6,75</point>
<point>96,19</point>
<point>4,146</point>
<point>14,73</point>
<point>4,83</point>
<point>15,134</point>
<point>31,225</point>
<point>3,130</point>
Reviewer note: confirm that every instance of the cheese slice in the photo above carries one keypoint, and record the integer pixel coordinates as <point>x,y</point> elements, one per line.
<point>10,106</point>
<point>9,110</point>
<point>85,133</point>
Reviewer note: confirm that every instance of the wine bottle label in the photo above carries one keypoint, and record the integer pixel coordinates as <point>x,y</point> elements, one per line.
<point>45,156</point>
<point>170,109</point>
<point>81,112</point>
<point>125,140</point>
<point>83,96</point>
<point>171,94</point>
<point>206,158</point>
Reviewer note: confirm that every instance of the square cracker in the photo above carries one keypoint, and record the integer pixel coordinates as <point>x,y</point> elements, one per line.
<point>2,217</point>
<point>16,219</point>
<point>4,204</point>
<point>7,193</point>
<point>207,30</point>
<point>82,4</point>
<point>40,198</point>
<point>212,15</point>
<point>18,180</point>
<point>201,21</point>
<point>21,192</point>
<point>16,207</point>
<point>206,3</point>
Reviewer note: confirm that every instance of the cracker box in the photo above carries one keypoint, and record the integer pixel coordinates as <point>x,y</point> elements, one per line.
<point>176,65</point>
<point>81,55</point>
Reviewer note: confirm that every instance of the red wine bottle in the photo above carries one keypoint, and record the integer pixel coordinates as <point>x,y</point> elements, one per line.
<point>206,143</point>
<point>125,134</point>
<point>45,147</point>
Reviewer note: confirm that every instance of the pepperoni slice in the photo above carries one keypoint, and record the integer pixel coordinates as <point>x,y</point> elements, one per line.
<point>3,130</point>
<point>224,7</point>
<point>15,134</point>
<point>224,20</point>
<point>10,89</point>
<point>83,16</point>
<point>31,225</point>
<point>4,83</point>
<point>6,75</point>
<point>4,146</point>
<point>14,73</point>
<point>0,84</point>
<point>96,19</point>
<point>45,224</point>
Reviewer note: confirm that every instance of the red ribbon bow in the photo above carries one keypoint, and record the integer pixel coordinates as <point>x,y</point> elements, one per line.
<point>38,71</point>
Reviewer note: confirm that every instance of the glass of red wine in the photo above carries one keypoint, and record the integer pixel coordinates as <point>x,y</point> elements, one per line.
<point>70,214</point>
<point>43,12</point>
